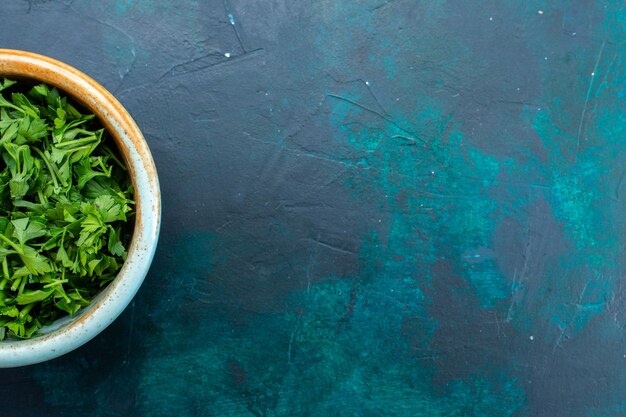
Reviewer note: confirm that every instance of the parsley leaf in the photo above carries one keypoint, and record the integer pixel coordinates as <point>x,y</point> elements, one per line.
<point>65,208</point>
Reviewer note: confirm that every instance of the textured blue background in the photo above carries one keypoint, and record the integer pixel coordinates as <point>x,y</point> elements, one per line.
<point>373,207</point>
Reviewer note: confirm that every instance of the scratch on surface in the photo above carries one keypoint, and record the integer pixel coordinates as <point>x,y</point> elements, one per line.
<point>171,73</point>
<point>559,339</point>
<point>377,113</point>
<point>233,23</point>
<point>519,103</point>
<point>609,69</point>
<point>619,185</point>
<point>427,357</point>
<point>563,329</point>
<point>228,223</point>
<point>312,262</point>
<point>497,321</point>
<point>578,306</point>
<point>367,86</point>
<point>31,3</point>
<point>128,70</point>
<point>303,205</point>
<point>603,83</point>
<point>292,337</point>
<point>305,121</point>
<point>383,5</point>
<point>584,111</point>
<point>199,295</point>
<point>433,194</point>
<point>361,106</point>
<point>329,246</point>
<point>110,25</point>
<point>514,284</point>
<point>133,43</point>
<point>410,140</point>
<point>523,275</point>
<point>234,254</point>
<point>345,163</point>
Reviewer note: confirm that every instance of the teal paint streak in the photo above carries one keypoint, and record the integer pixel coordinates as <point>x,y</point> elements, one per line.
<point>122,51</point>
<point>322,359</point>
<point>121,6</point>
<point>124,7</point>
<point>489,284</point>
<point>406,170</point>
<point>575,190</point>
<point>348,380</point>
<point>583,131</point>
<point>417,185</point>
<point>434,199</point>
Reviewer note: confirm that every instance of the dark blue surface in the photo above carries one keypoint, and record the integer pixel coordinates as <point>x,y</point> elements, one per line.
<point>403,208</point>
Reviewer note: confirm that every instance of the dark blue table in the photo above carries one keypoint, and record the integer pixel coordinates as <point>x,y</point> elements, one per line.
<point>376,207</point>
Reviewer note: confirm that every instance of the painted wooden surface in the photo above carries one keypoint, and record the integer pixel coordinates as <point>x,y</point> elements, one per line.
<point>403,208</point>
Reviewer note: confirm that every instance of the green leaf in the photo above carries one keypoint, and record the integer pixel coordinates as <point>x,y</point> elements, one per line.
<point>9,133</point>
<point>92,223</point>
<point>40,91</point>
<point>90,239</point>
<point>4,252</point>
<point>71,306</point>
<point>32,130</point>
<point>30,330</point>
<point>91,265</point>
<point>86,173</point>
<point>108,208</point>
<point>27,107</point>
<point>30,207</point>
<point>6,83</point>
<point>26,230</point>
<point>18,186</point>
<point>5,103</point>
<point>9,311</point>
<point>63,258</point>
<point>35,262</point>
<point>17,328</point>
<point>21,163</point>
<point>33,296</point>
<point>115,245</point>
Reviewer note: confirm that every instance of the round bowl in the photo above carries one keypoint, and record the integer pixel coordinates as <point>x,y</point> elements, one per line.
<point>68,333</point>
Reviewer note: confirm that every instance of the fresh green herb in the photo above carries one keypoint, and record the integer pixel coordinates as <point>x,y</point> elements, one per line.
<point>66,205</point>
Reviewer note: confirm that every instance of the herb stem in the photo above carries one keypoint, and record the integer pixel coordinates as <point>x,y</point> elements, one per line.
<point>53,172</point>
<point>13,245</point>
<point>5,271</point>
<point>5,103</point>
<point>26,309</point>
<point>110,153</point>
<point>56,283</point>
<point>74,142</point>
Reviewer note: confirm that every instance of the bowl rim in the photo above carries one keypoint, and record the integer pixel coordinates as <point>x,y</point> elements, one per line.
<point>67,334</point>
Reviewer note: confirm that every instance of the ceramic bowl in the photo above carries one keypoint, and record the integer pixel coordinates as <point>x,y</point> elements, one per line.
<point>68,333</point>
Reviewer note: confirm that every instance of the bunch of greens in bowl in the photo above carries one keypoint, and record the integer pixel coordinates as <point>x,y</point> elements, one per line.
<point>66,208</point>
